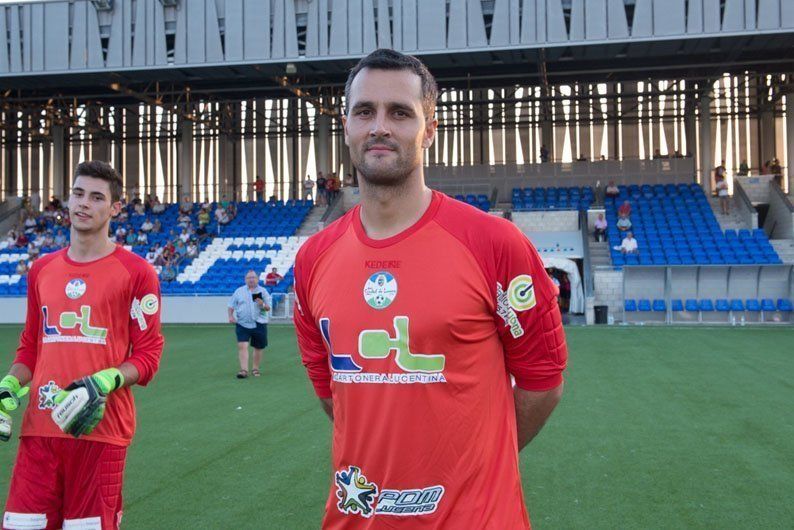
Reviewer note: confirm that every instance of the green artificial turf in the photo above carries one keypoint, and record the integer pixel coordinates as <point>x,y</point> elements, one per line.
<point>658,428</point>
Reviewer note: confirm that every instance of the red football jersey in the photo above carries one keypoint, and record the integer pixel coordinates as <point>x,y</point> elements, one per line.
<point>415,337</point>
<point>82,318</point>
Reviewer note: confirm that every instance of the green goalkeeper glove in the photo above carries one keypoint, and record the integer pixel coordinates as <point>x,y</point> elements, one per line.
<point>10,394</point>
<point>81,405</point>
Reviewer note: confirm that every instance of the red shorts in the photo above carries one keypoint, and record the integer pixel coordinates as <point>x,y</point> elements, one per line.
<point>65,483</point>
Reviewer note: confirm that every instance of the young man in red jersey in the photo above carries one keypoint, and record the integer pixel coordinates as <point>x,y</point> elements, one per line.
<point>92,331</point>
<point>414,311</point>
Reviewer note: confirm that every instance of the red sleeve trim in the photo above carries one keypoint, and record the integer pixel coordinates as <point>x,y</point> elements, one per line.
<point>144,374</point>
<point>540,385</point>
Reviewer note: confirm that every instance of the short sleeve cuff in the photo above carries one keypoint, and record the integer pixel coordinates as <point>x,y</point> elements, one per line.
<point>26,358</point>
<point>539,385</point>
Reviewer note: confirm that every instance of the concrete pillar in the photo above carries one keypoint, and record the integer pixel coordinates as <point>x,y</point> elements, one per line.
<point>132,169</point>
<point>788,171</point>
<point>60,156</point>
<point>706,150</point>
<point>10,165</point>
<point>229,155</point>
<point>690,124</point>
<point>184,150</point>
<point>480,134</point>
<point>322,145</point>
<point>766,134</point>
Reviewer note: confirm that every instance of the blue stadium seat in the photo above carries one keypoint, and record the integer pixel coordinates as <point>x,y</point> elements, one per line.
<point>767,304</point>
<point>659,305</point>
<point>644,305</point>
<point>784,305</point>
<point>630,305</point>
<point>737,305</point>
<point>752,304</point>
<point>706,305</point>
<point>692,305</point>
<point>677,305</point>
<point>722,305</point>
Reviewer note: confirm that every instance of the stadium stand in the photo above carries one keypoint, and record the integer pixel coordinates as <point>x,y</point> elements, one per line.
<point>552,198</point>
<point>675,225</point>
<point>480,201</point>
<point>259,237</point>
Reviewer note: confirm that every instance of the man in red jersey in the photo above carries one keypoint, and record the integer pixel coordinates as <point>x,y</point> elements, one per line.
<point>414,311</point>
<point>92,330</point>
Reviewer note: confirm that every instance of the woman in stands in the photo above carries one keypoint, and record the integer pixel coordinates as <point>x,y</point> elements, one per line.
<point>722,193</point>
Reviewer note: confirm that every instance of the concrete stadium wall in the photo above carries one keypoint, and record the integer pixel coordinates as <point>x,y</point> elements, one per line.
<point>547,221</point>
<point>175,310</point>
<point>485,178</point>
<point>779,223</point>
<point>608,290</point>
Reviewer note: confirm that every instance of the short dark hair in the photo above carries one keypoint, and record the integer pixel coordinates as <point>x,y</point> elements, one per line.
<point>102,171</point>
<point>387,59</point>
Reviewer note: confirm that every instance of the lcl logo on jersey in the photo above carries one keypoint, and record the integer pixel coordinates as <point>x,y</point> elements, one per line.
<point>377,344</point>
<point>72,320</point>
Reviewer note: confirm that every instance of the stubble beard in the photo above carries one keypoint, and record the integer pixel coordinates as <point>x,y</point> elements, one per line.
<point>391,175</point>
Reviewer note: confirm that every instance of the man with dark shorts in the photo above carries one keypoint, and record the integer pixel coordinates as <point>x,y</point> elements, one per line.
<point>248,311</point>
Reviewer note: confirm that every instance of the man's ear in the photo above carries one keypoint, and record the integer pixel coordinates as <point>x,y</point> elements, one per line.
<point>344,128</point>
<point>431,126</point>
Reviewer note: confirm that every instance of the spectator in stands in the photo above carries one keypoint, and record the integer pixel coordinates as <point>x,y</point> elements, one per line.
<point>142,239</point>
<point>623,224</point>
<point>11,236</point>
<point>180,249</point>
<point>157,227</point>
<point>55,202</point>
<point>308,188</point>
<point>204,217</point>
<point>321,199</point>
<point>48,241</point>
<point>657,154</point>
<point>33,251</point>
<point>22,240</point>
<point>30,223</point>
<point>625,209</point>
<point>329,188</point>
<point>184,236</point>
<point>139,207</point>
<point>600,228</point>
<point>720,172</point>
<point>722,193</point>
<point>168,273</point>
<point>544,153</point>
<point>273,277</point>
<point>22,267</point>
<point>259,188</point>
<point>157,206</point>
<point>221,216</point>
<point>248,309</point>
<point>152,255</point>
<point>146,225</point>
<point>121,233</point>
<point>612,189</point>
<point>186,206</point>
<point>201,231</point>
<point>192,249</point>
<point>231,211</point>
<point>183,220</point>
<point>775,168</point>
<point>629,244</point>
<point>744,169</point>
<point>131,238</point>
<point>60,239</point>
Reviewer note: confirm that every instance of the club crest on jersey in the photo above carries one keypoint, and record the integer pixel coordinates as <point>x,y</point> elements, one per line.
<point>356,495</point>
<point>380,290</point>
<point>47,395</point>
<point>75,288</point>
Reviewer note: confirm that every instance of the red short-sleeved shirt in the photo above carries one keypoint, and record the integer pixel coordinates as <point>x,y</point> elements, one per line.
<point>415,338</point>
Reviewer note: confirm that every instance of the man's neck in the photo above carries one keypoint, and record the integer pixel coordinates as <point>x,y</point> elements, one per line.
<point>90,246</point>
<point>387,211</point>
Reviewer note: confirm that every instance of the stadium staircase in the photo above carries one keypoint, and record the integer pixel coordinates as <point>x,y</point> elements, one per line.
<point>732,221</point>
<point>599,253</point>
<point>784,249</point>
<point>311,224</point>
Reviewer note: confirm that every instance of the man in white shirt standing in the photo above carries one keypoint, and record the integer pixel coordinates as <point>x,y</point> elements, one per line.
<point>248,311</point>
<point>629,244</point>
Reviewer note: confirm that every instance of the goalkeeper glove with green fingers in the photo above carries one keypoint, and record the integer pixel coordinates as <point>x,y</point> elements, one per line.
<point>10,394</point>
<point>81,405</point>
